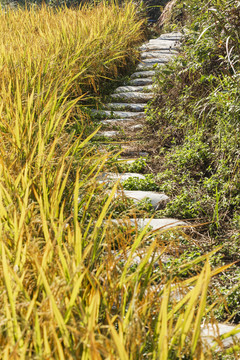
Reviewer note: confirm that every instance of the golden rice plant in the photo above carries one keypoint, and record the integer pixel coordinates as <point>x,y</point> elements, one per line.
<point>70,49</point>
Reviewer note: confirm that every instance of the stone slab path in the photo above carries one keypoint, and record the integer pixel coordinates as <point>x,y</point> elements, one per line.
<point>127,111</point>
<point>128,104</point>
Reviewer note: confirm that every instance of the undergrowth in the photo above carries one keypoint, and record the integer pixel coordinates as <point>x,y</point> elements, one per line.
<point>198,104</point>
<point>196,124</point>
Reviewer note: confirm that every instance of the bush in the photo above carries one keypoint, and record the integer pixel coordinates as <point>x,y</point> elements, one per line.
<point>197,112</point>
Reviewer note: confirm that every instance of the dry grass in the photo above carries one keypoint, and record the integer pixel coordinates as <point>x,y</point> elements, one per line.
<point>167,13</point>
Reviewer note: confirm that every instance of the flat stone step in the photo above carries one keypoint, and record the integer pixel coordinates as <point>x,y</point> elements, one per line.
<point>127,151</point>
<point>162,42</point>
<point>108,133</point>
<point>129,122</point>
<point>138,256</point>
<point>160,46</point>
<point>125,89</point>
<point>133,97</point>
<point>149,66</point>
<point>141,82</point>
<point>155,224</point>
<point>103,114</point>
<point>153,60</point>
<point>122,177</point>
<point>157,200</point>
<point>142,74</point>
<point>177,36</point>
<point>136,127</point>
<point>160,224</point>
<point>116,122</point>
<point>164,56</point>
<point>126,107</point>
<point>177,292</point>
<point>210,333</point>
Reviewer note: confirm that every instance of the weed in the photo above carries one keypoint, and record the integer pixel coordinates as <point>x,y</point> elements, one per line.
<point>195,124</point>
<point>137,166</point>
<point>196,116</point>
<point>147,184</point>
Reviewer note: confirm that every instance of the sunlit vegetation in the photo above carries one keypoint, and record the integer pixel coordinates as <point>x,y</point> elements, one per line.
<point>198,103</point>
<point>196,129</point>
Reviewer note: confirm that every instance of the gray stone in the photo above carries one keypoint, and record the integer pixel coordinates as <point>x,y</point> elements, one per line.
<point>160,46</point>
<point>159,224</point>
<point>171,36</point>
<point>126,107</point>
<point>126,176</point>
<point>125,89</point>
<point>121,177</point>
<point>103,114</point>
<point>142,74</point>
<point>133,153</point>
<point>108,133</point>
<point>144,65</point>
<point>141,82</point>
<point>133,97</point>
<point>162,42</point>
<point>210,332</point>
<point>116,122</point>
<point>177,293</point>
<point>138,256</point>
<point>155,224</point>
<point>136,127</point>
<point>157,200</point>
<point>153,61</point>
<point>164,56</point>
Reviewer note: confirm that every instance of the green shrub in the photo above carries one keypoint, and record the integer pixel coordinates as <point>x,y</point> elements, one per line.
<point>137,166</point>
<point>195,116</point>
<point>147,184</point>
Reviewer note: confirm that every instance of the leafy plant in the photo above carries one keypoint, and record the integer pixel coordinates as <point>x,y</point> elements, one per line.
<point>147,184</point>
<point>195,117</point>
<point>136,166</point>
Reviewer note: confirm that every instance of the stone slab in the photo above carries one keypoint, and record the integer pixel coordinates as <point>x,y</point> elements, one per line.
<point>133,153</point>
<point>171,36</point>
<point>210,332</point>
<point>149,65</point>
<point>160,224</point>
<point>157,200</point>
<point>140,254</point>
<point>164,56</point>
<point>153,61</point>
<point>125,89</point>
<point>141,82</point>
<point>142,74</point>
<point>116,122</point>
<point>136,127</point>
<point>121,177</point>
<point>155,224</point>
<point>108,133</point>
<point>177,292</point>
<point>126,107</point>
<point>159,46</point>
<point>103,114</point>
<point>128,161</point>
<point>162,42</point>
<point>133,97</point>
